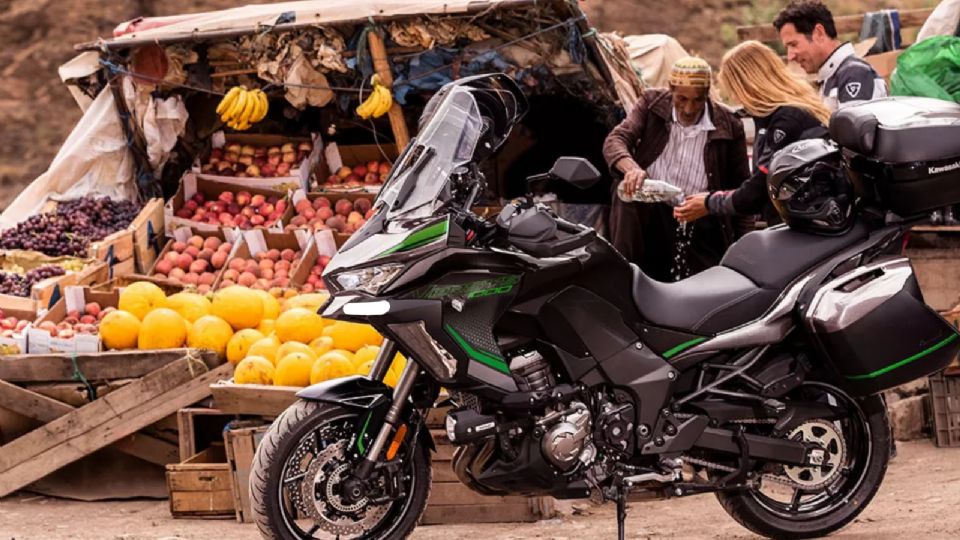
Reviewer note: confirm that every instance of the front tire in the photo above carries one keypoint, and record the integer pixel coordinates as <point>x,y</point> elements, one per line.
<point>763,516</point>
<point>275,510</point>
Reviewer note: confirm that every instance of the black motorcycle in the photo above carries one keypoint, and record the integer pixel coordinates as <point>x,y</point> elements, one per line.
<point>572,374</point>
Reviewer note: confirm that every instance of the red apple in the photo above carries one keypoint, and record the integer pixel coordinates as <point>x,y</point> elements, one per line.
<point>360,170</point>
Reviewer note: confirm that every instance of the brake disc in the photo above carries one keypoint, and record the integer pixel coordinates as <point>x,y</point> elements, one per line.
<point>831,455</point>
<point>321,499</point>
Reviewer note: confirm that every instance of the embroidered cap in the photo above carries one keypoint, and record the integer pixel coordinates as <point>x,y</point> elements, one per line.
<point>691,71</point>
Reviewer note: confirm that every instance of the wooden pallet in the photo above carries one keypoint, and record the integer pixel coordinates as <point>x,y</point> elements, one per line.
<point>115,419</point>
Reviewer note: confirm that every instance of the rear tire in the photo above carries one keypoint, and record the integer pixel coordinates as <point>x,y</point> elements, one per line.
<point>283,438</point>
<point>746,507</point>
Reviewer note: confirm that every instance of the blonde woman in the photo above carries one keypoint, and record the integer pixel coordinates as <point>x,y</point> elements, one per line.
<point>784,108</point>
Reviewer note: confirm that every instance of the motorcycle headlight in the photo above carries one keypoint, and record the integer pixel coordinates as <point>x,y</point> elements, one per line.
<point>369,280</point>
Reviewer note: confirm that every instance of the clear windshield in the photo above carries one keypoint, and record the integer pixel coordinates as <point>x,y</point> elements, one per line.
<point>447,140</point>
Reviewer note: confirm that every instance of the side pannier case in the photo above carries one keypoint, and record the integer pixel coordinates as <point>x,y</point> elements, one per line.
<point>874,330</point>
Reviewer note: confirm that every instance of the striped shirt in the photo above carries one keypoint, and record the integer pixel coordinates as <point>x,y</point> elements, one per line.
<point>682,161</point>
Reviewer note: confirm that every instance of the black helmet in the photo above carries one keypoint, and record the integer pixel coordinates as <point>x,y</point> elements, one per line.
<point>810,189</point>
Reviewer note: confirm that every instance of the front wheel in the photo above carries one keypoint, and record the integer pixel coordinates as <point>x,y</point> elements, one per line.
<point>809,502</point>
<point>297,475</point>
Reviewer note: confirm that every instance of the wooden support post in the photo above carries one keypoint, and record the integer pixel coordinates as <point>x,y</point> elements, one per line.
<point>381,64</point>
<point>105,421</point>
<point>44,409</point>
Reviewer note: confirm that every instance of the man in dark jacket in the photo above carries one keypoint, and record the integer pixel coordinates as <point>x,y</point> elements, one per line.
<point>678,135</point>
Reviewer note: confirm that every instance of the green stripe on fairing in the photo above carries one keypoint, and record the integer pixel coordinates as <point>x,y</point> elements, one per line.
<point>905,361</point>
<point>420,238</point>
<point>684,346</point>
<point>366,423</point>
<point>485,358</point>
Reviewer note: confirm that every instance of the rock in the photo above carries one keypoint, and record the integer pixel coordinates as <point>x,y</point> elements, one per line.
<point>907,418</point>
<point>914,388</point>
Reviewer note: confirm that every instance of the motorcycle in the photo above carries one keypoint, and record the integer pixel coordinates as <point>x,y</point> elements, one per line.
<point>570,373</point>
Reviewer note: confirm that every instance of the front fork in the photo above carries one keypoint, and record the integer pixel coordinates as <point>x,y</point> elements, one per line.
<point>400,394</point>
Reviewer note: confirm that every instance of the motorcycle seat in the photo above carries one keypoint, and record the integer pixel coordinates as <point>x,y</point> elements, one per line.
<point>899,130</point>
<point>774,257</point>
<point>752,275</point>
<point>707,303</point>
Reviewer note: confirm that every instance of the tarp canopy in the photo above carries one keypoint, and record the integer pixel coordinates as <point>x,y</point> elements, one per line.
<point>309,12</point>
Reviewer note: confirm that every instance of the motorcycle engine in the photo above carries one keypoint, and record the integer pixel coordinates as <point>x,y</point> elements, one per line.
<point>566,437</point>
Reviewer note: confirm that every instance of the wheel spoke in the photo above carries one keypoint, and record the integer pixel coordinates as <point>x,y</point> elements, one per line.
<point>294,478</point>
<point>795,500</point>
<point>313,529</point>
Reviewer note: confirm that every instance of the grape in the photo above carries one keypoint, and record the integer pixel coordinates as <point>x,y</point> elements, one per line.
<point>71,228</point>
<point>18,285</point>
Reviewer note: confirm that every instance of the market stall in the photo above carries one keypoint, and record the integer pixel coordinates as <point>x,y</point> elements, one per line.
<point>171,255</point>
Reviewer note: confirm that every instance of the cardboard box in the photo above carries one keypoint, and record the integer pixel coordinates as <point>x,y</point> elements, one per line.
<point>259,241</point>
<point>191,183</point>
<point>120,246</point>
<point>17,342</point>
<point>45,293</point>
<point>118,283</point>
<point>148,235</point>
<point>336,156</point>
<point>183,234</point>
<point>884,63</point>
<point>300,173</point>
<point>74,299</point>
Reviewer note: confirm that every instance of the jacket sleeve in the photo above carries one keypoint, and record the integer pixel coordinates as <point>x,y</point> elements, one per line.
<point>621,142</point>
<point>857,83</point>
<point>751,196</point>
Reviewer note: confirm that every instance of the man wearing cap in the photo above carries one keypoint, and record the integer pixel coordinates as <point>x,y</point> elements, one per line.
<point>681,136</point>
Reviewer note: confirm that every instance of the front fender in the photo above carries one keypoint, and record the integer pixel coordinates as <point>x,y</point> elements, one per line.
<point>369,398</point>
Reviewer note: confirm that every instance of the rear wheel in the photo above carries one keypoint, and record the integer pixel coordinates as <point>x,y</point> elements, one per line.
<point>296,481</point>
<point>808,502</point>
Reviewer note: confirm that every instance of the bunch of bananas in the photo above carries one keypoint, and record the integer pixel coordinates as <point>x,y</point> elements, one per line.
<point>378,102</point>
<point>241,108</point>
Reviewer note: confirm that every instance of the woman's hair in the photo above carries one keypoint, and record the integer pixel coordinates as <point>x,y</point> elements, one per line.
<point>752,74</point>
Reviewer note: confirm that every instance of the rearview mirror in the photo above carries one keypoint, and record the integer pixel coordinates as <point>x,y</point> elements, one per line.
<point>576,171</point>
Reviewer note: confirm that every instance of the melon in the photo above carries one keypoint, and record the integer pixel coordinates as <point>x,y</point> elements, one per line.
<point>239,306</point>
<point>299,324</point>
<point>140,298</point>
<point>212,333</point>
<point>239,345</point>
<point>254,370</point>
<point>119,330</point>
<point>190,306</point>
<point>162,328</point>
<point>293,370</point>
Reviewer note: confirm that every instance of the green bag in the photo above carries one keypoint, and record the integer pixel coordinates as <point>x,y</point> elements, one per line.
<point>930,68</point>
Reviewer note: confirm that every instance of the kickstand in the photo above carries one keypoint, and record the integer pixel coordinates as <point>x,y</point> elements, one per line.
<point>621,513</point>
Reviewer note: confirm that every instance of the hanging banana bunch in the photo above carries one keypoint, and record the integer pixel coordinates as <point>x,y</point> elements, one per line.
<point>378,102</point>
<point>241,108</point>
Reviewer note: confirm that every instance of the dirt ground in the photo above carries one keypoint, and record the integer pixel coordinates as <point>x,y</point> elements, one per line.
<point>919,497</point>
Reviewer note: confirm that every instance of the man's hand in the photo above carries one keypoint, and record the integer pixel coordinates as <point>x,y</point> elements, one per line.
<point>692,209</point>
<point>633,180</point>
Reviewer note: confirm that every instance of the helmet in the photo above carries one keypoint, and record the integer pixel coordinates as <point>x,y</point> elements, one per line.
<point>810,189</point>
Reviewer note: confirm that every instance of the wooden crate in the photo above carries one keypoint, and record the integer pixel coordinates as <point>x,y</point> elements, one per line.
<point>200,486</point>
<point>945,396</point>
<point>200,428</point>
<point>253,399</point>
<point>451,502</point>
<point>115,419</point>
<point>241,445</point>
<point>148,235</point>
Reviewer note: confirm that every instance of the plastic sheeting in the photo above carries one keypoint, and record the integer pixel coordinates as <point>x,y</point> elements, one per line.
<point>654,55</point>
<point>944,21</point>
<point>95,159</point>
